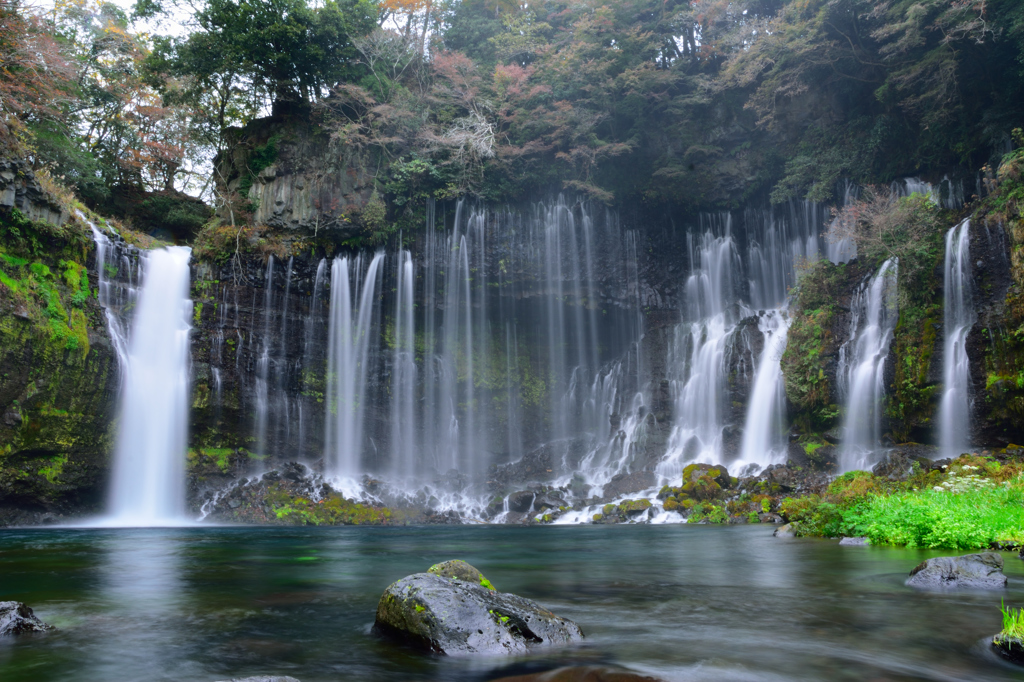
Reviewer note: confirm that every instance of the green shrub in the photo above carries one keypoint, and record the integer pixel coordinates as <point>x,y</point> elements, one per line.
<point>971,519</point>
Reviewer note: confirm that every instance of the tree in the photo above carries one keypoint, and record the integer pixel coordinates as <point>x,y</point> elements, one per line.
<point>276,51</point>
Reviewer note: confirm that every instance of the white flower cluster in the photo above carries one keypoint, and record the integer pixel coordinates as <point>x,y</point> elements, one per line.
<point>965,481</point>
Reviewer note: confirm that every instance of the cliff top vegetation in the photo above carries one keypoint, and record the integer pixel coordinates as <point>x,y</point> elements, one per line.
<point>696,103</point>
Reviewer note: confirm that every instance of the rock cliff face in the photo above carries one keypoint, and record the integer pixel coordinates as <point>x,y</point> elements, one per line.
<point>296,178</point>
<point>21,190</point>
<point>58,371</point>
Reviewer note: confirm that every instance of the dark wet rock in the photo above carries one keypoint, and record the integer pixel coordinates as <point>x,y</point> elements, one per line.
<point>625,484</point>
<point>982,571</point>
<point>785,531</point>
<point>448,616</point>
<point>1010,648</point>
<point>521,501</point>
<point>588,673</point>
<point>548,501</point>
<point>778,479</point>
<point>18,619</point>
<point>263,678</point>
<point>899,464</point>
<point>854,542</point>
<point>448,517</point>
<point>457,569</point>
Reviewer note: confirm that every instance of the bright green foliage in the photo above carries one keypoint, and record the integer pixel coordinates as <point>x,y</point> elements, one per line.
<point>974,503</point>
<point>1013,622</point>
<point>933,518</point>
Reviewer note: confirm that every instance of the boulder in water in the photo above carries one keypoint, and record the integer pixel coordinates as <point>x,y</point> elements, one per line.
<point>1010,648</point>
<point>982,571</point>
<point>457,569</point>
<point>785,531</point>
<point>18,619</point>
<point>854,542</point>
<point>448,615</point>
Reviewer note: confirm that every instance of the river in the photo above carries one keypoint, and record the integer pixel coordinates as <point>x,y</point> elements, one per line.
<point>680,602</point>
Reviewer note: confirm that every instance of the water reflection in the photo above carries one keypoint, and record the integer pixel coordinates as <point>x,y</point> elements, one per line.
<point>681,602</point>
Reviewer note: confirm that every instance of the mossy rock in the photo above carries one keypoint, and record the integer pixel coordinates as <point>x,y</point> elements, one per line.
<point>457,569</point>
<point>718,473</point>
<point>450,616</point>
<point>634,507</point>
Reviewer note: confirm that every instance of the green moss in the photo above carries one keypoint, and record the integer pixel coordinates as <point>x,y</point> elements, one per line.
<point>54,469</point>
<point>331,511</point>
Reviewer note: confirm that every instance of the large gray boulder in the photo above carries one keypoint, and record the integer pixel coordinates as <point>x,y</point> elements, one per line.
<point>446,615</point>
<point>18,619</point>
<point>982,571</point>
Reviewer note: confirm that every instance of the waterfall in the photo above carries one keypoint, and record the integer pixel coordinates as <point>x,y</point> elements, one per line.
<point>351,319</point>
<point>148,477</point>
<point>403,374</point>
<point>955,409</point>
<point>697,355</point>
<point>862,367</point>
<point>764,439</point>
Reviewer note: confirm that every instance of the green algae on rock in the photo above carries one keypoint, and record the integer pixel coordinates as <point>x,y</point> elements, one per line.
<point>451,616</point>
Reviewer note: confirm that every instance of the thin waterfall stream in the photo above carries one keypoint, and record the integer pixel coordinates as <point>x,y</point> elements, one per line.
<point>955,408</point>
<point>862,367</point>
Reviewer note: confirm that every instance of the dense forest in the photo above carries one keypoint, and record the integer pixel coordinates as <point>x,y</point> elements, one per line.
<point>698,104</point>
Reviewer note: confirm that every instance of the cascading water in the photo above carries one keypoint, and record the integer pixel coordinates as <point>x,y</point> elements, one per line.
<point>403,383</point>
<point>764,440</point>
<point>698,354</point>
<point>955,409</point>
<point>148,483</point>
<point>353,298</point>
<point>862,365</point>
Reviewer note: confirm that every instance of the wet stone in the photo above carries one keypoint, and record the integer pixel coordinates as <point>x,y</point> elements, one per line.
<point>17,619</point>
<point>982,571</point>
<point>449,616</point>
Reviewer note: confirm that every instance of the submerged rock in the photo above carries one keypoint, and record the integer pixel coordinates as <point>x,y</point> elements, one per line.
<point>263,678</point>
<point>448,615</point>
<point>587,673</point>
<point>854,542</point>
<point>17,619</point>
<point>982,571</point>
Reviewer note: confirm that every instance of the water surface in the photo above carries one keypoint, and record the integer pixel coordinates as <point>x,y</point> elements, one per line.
<point>681,602</point>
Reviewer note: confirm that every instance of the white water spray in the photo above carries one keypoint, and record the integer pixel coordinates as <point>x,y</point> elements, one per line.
<point>764,440</point>
<point>148,486</point>
<point>955,409</point>
<point>863,373</point>
<point>352,307</point>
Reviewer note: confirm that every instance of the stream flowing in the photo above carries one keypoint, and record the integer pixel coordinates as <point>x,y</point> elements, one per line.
<point>679,602</point>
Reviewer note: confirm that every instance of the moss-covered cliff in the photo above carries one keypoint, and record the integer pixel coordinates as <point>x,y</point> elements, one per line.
<point>58,372</point>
